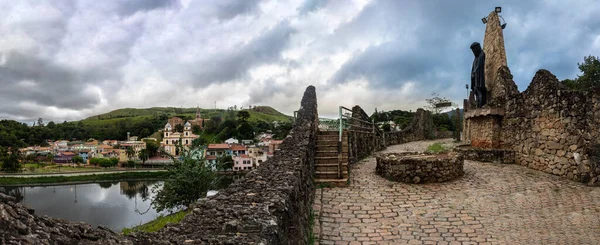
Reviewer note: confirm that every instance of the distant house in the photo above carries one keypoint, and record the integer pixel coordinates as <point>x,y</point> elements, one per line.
<point>237,150</point>
<point>85,155</point>
<point>232,141</point>
<point>218,150</point>
<point>247,142</point>
<point>242,162</point>
<point>64,157</point>
<point>110,142</point>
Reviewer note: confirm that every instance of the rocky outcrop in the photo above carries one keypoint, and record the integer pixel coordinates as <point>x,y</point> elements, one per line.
<point>420,128</point>
<point>363,138</point>
<point>270,205</point>
<point>19,225</point>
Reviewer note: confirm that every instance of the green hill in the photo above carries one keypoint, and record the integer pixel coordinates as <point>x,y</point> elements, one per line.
<point>260,113</point>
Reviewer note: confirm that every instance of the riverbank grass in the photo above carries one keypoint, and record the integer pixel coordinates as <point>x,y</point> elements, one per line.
<point>158,223</point>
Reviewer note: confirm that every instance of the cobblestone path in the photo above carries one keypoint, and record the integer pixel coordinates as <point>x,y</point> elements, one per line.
<point>491,204</point>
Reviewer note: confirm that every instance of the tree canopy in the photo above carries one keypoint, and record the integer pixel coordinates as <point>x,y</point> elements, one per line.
<point>590,74</point>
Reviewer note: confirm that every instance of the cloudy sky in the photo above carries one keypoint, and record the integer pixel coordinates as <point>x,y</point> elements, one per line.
<point>70,59</point>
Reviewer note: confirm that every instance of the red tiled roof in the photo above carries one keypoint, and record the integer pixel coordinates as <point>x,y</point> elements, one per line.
<point>238,148</point>
<point>68,153</point>
<point>218,146</point>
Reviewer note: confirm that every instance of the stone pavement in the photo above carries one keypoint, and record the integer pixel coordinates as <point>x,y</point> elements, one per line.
<point>490,204</point>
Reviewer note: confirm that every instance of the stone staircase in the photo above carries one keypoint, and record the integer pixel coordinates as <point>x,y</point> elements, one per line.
<point>327,166</point>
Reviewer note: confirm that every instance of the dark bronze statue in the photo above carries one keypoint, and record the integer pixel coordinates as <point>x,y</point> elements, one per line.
<point>478,75</point>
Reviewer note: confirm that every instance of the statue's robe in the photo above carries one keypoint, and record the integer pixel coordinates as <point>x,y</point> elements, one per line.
<point>478,79</point>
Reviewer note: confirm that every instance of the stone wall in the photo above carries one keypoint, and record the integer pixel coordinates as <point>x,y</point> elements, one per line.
<point>270,205</point>
<point>419,168</point>
<point>486,155</point>
<point>554,129</point>
<point>420,128</point>
<point>363,138</point>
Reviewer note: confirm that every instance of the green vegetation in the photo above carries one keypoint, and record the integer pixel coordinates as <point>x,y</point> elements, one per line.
<point>158,223</point>
<point>590,75</point>
<point>187,180</point>
<point>437,148</point>
<point>143,123</point>
<point>117,176</point>
<point>104,162</point>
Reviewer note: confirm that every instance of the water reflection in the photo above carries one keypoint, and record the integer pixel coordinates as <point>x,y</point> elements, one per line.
<point>112,204</point>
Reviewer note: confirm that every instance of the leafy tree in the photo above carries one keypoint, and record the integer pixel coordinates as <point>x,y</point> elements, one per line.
<point>224,163</point>
<point>152,147</point>
<point>11,161</point>
<point>188,180</point>
<point>197,142</point>
<point>105,163</point>
<point>196,129</point>
<point>386,127</point>
<point>144,154</point>
<point>51,125</point>
<point>590,77</point>
<point>433,101</point>
<point>243,116</point>
<point>245,131</point>
<point>114,161</point>
<point>40,122</point>
<point>130,152</point>
<point>78,160</point>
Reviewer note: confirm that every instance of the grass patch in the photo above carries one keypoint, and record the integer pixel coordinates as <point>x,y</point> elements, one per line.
<point>7,181</point>
<point>158,223</point>
<point>323,185</point>
<point>437,148</point>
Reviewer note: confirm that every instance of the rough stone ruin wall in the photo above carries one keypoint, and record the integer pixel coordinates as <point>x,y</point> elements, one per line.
<point>420,128</point>
<point>270,205</point>
<point>548,125</point>
<point>362,140</point>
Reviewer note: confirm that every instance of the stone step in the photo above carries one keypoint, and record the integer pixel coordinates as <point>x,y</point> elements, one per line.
<point>332,132</point>
<point>329,174</point>
<point>330,153</point>
<point>332,137</point>
<point>331,143</point>
<point>327,167</point>
<point>332,182</point>
<point>331,161</point>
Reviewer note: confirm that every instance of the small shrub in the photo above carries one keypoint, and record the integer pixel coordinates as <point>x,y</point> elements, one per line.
<point>437,148</point>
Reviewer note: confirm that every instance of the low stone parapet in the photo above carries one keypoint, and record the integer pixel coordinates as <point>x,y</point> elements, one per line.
<point>486,155</point>
<point>412,167</point>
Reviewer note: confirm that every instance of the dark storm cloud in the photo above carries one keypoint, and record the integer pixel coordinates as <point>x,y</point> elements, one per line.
<point>130,7</point>
<point>228,9</point>
<point>438,33</point>
<point>30,79</point>
<point>263,49</point>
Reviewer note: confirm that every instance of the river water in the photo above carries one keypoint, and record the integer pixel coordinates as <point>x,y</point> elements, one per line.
<point>114,205</point>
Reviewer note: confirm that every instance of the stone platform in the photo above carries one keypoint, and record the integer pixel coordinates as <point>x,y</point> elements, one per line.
<point>412,167</point>
<point>483,127</point>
